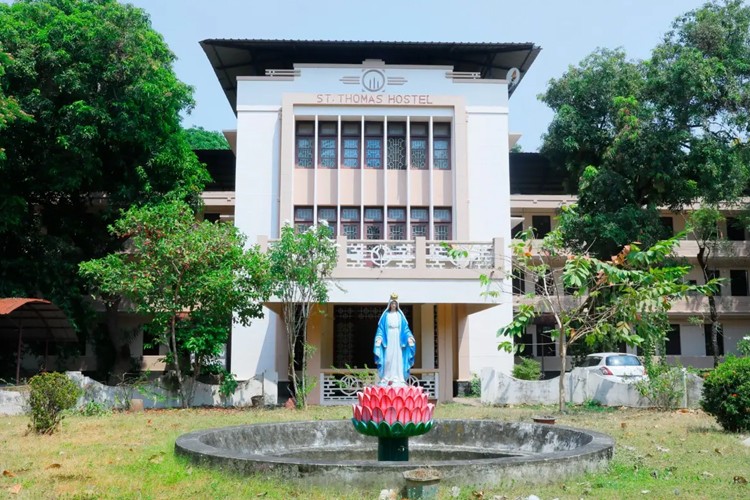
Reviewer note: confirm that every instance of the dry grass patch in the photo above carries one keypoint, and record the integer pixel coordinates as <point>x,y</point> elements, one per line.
<point>131,455</point>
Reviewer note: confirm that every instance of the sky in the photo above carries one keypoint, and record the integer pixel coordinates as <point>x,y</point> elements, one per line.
<point>566,30</point>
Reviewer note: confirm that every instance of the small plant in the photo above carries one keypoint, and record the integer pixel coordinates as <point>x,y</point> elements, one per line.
<point>228,384</point>
<point>51,394</point>
<point>726,394</point>
<point>664,387</point>
<point>743,346</point>
<point>475,385</point>
<point>94,409</point>
<point>527,369</point>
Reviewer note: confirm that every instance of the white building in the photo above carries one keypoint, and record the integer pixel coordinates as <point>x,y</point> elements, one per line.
<point>401,147</point>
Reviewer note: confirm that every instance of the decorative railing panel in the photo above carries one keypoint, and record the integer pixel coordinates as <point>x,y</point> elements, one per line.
<point>339,387</point>
<point>459,255</point>
<point>394,254</point>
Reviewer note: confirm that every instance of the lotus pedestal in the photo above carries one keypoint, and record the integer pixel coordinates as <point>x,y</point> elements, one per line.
<point>393,415</point>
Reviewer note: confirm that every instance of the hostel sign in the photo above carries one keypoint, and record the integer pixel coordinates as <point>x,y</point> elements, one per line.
<point>386,99</point>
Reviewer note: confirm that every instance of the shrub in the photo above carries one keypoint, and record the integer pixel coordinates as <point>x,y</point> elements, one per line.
<point>726,394</point>
<point>94,409</point>
<point>476,385</point>
<point>527,369</point>
<point>743,346</point>
<point>664,387</point>
<point>51,394</point>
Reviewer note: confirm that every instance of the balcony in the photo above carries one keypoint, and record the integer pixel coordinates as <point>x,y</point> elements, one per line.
<point>417,259</point>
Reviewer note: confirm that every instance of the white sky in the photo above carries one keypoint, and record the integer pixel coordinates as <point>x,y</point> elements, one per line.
<point>566,30</point>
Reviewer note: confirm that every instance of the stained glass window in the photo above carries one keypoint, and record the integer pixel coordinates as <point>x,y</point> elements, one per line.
<point>441,146</point>
<point>305,142</point>
<point>327,133</point>
<point>350,144</point>
<point>373,145</point>
<point>418,139</point>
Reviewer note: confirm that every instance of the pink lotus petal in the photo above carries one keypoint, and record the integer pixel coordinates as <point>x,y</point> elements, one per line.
<point>377,415</point>
<point>391,393</point>
<point>404,416</point>
<point>357,410</point>
<point>390,415</point>
<point>409,403</point>
<point>366,414</point>
<point>428,414</point>
<point>416,415</point>
<point>398,403</point>
<point>374,401</point>
<point>361,398</point>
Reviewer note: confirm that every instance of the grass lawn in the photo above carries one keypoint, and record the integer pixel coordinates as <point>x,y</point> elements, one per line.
<point>681,454</point>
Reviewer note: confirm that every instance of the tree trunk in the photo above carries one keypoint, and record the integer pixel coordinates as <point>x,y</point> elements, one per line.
<point>120,343</point>
<point>712,312</point>
<point>563,359</point>
<point>176,358</point>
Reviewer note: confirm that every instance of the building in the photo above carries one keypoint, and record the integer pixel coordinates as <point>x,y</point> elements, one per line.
<point>400,147</point>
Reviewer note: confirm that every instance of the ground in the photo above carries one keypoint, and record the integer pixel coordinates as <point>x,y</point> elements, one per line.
<point>131,455</point>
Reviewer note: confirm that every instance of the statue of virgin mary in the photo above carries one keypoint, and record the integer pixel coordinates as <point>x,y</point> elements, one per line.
<point>395,346</point>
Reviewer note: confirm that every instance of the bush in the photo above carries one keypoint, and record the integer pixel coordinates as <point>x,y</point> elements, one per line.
<point>94,409</point>
<point>726,394</point>
<point>528,369</point>
<point>476,385</point>
<point>664,387</point>
<point>51,394</point>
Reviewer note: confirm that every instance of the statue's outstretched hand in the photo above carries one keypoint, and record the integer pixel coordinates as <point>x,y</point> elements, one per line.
<point>411,341</point>
<point>378,342</point>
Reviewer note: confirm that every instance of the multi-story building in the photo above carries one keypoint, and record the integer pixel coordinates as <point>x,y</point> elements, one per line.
<point>401,148</point>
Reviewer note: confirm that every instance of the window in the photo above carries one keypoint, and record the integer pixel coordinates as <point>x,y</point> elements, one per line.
<point>420,218</point>
<point>328,214</point>
<point>374,223</point>
<point>350,144</point>
<point>303,218</point>
<point>545,282</point>
<point>397,146</point>
<point>719,340</point>
<point>519,284</point>
<point>545,345</point>
<point>305,139</point>
<point>673,341</point>
<point>350,222</point>
<point>441,146</point>
<point>668,225</point>
<point>738,279</point>
<point>542,225</point>
<point>373,145</point>
<point>517,228</point>
<point>327,134</point>
<point>418,144</point>
<point>527,340</point>
<point>396,223</point>
<point>442,218</point>
<point>735,229</point>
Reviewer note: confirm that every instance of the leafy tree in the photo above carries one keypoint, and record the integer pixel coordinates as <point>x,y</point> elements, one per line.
<point>98,85</point>
<point>200,138</point>
<point>638,135</point>
<point>301,268</point>
<point>187,277</point>
<point>625,298</point>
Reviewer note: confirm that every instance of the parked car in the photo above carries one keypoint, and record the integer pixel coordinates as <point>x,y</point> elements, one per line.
<point>616,366</point>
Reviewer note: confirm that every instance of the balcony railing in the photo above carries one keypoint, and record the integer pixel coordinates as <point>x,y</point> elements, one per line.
<point>339,386</point>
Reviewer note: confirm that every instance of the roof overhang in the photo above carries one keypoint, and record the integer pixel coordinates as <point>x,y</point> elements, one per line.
<point>232,58</point>
<point>36,319</point>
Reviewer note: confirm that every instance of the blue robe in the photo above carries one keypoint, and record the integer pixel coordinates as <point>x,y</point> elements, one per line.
<point>408,351</point>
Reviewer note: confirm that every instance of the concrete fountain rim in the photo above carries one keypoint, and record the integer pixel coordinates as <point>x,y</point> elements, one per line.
<point>191,444</point>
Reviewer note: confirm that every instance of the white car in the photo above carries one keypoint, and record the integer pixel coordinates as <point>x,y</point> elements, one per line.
<point>616,366</point>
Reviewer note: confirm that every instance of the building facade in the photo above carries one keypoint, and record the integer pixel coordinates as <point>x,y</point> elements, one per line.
<point>403,150</point>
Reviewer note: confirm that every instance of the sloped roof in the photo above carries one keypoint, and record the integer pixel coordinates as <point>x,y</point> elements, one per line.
<point>232,58</point>
<point>39,319</point>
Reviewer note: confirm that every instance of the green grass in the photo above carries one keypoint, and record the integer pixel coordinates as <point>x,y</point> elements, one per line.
<point>681,454</point>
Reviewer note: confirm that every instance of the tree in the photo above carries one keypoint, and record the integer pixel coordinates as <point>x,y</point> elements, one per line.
<point>104,104</point>
<point>301,268</point>
<point>639,135</point>
<point>187,277</point>
<point>625,298</point>
<point>200,138</point>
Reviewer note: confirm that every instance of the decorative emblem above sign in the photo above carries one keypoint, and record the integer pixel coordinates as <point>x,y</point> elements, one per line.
<point>373,80</point>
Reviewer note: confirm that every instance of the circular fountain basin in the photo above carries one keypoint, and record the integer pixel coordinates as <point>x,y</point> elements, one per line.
<point>470,452</point>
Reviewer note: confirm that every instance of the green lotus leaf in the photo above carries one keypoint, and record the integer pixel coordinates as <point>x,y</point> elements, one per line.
<point>384,430</point>
<point>410,429</point>
<point>397,430</point>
